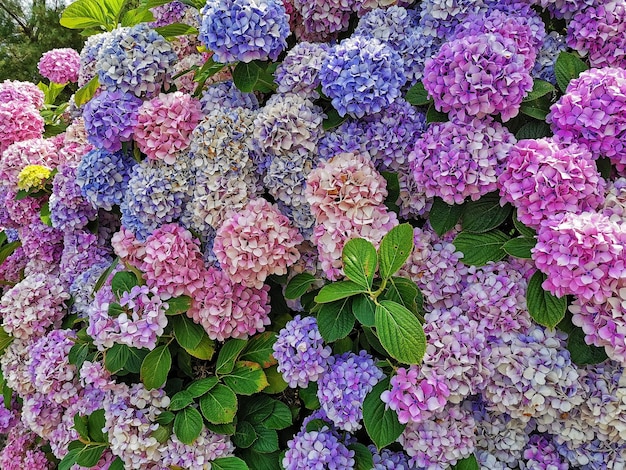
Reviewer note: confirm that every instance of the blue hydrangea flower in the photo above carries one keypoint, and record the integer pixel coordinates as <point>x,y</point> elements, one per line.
<point>69,210</point>
<point>225,95</point>
<point>103,177</point>
<point>244,30</point>
<point>553,45</point>
<point>299,72</point>
<point>362,76</point>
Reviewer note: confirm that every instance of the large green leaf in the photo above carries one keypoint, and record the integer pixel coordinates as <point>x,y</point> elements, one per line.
<point>480,248</point>
<point>417,95</point>
<point>364,460</point>
<point>201,386</point>
<point>245,435</point>
<point>443,217</point>
<point>155,367</point>
<point>540,88</point>
<point>246,378</point>
<point>545,308</point>
<point>96,423</point>
<point>280,418</point>
<point>178,305</point>
<point>395,248</point>
<point>204,350</point>
<point>228,355</point>
<point>381,423</point>
<point>188,425</point>
<point>267,441</point>
<point>89,455</point>
<point>116,357</point>
<point>405,292</point>
<point>567,67</point>
<point>485,214</point>
<point>180,400</point>
<point>229,463</point>
<point>359,261</point>
<point>219,405</point>
<point>87,91</point>
<point>335,320</point>
<point>337,291</point>
<point>298,285</point>
<point>188,333</point>
<point>5,339</point>
<point>468,463</point>
<point>86,14</point>
<point>400,332</point>
<point>123,281</point>
<point>245,76</point>
<point>363,309</point>
<point>520,247</point>
<point>259,349</point>
<point>258,461</point>
<point>583,354</point>
<point>176,29</point>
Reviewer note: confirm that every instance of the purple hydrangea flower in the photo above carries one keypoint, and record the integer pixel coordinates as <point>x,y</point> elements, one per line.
<point>244,30</point>
<point>389,460</point>
<point>541,454</point>
<point>68,209</point>
<point>172,12</point>
<point>362,76</point>
<point>553,45</point>
<point>110,118</point>
<point>89,57</point>
<point>225,95</point>
<point>441,17</point>
<point>299,72</point>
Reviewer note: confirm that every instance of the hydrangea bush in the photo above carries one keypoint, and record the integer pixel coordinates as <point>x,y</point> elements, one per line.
<point>343,235</point>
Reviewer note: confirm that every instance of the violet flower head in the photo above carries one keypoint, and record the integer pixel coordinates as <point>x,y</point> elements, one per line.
<point>324,449</point>
<point>593,112</point>
<point>362,76</point>
<point>244,30</point>
<point>441,17</point>
<point>299,72</point>
<point>581,254</point>
<point>89,57</point>
<point>460,158</point>
<point>226,95</point>
<point>542,454</point>
<point>60,65</point>
<point>386,459</point>
<point>544,177</point>
<point>172,12</point>
<point>110,118</point>
<point>69,210</point>
<point>321,20</point>
<point>300,352</point>
<point>478,75</point>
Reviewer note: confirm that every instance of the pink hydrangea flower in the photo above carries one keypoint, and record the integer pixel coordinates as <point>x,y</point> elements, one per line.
<point>19,121</point>
<point>256,242</point>
<point>27,152</point>
<point>544,177</point>
<point>127,247</point>
<point>25,92</point>
<point>60,65</point>
<point>165,123</point>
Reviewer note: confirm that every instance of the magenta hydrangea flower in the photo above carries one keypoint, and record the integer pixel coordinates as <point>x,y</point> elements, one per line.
<point>599,32</point>
<point>60,65</point>
<point>23,450</point>
<point>173,262</point>
<point>478,75</point>
<point>127,247</point>
<point>581,254</point>
<point>593,112</point>
<point>256,242</point>
<point>164,125</point>
<point>25,92</point>
<point>300,352</point>
<point>19,121</point>
<point>541,453</point>
<point>460,158</point>
<point>362,76</point>
<point>228,310</point>
<point>544,177</point>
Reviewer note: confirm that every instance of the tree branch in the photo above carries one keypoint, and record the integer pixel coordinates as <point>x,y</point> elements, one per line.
<point>20,21</point>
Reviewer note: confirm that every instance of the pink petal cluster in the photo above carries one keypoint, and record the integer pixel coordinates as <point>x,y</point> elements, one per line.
<point>60,65</point>
<point>19,121</point>
<point>256,242</point>
<point>34,151</point>
<point>460,158</point>
<point>127,247</point>
<point>165,123</point>
<point>228,310</point>
<point>581,254</point>
<point>25,92</point>
<point>173,262</point>
<point>544,177</point>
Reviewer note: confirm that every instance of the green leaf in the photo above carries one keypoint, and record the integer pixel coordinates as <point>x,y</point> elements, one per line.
<point>258,410</point>
<point>540,88</point>
<point>123,281</point>
<point>228,355</point>
<point>275,379</point>
<point>116,357</point>
<point>177,305</point>
<point>417,95</point>
<point>359,261</point>
<point>245,76</point>
<point>137,15</point>
<point>135,358</point>
<point>432,115</point>
<point>229,463</point>
<point>393,190</point>
<point>480,248</point>
<point>155,367</point>
<point>105,275</point>
<point>381,423</point>
<point>44,214</point>
<point>205,72</point>
<point>204,350</point>
<point>188,333</point>
<point>604,167</point>
<point>567,67</point>
<point>404,292</point>
<point>468,463</point>
<point>165,418</point>
<point>485,214</point>
<point>188,425</point>
<point>523,229</point>
<point>219,405</point>
<point>259,349</point>
<point>78,354</point>
<point>533,130</point>
<point>545,308</point>
<point>400,332</point>
<point>337,291</point>
<point>363,458</point>
<point>333,119</point>
<point>247,378</point>
<point>520,247</point>
<point>8,249</point>
<point>226,429</point>
<point>180,400</point>
<point>258,461</point>
<point>69,460</point>
<point>89,455</point>
<point>86,92</point>
<point>280,418</point>
<point>583,354</point>
<point>363,309</point>
<point>267,441</point>
<point>443,217</point>
<point>162,433</point>
<point>316,425</point>
<point>335,320</point>
<point>395,249</point>
<point>309,396</point>
<point>176,29</point>
<point>200,387</point>
<point>245,435</point>
<point>80,424</point>
<point>298,285</point>
<point>85,14</point>
<point>115,309</point>
<point>534,110</point>
<point>96,423</point>
<point>117,464</point>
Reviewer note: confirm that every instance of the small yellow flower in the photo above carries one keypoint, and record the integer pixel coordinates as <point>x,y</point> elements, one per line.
<point>33,177</point>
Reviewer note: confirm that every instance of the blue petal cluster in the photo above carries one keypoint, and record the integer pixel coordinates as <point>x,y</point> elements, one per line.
<point>244,30</point>
<point>225,95</point>
<point>69,210</point>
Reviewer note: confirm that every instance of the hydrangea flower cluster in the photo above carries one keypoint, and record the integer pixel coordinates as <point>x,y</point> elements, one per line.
<point>60,65</point>
<point>25,92</point>
<point>69,210</point>
<point>172,12</point>
<point>33,177</point>
<point>299,72</point>
<point>244,30</point>
<point>225,95</point>
<point>19,121</point>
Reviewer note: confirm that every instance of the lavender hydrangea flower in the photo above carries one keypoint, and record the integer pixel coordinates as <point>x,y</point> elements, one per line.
<point>542,454</point>
<point>110,118</point>
<point>225,95</point>
<point>68,209</point>
<point>244,30</point>
<point>299,72</point>
<point>300,352</point>
<point>441,17</point>
<point>553,45</point>
<point>172,12</point>
<point>389,460</point>
<point>89,57</point>
<point>362,76</point>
